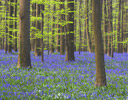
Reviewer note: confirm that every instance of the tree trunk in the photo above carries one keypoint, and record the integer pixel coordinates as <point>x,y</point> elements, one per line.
<point>80,22</point>
<point>42,42</point>
<point>70,35</point>
<point>6,29</point>
<point>99,52</point>
<point>62,37</point>
<point>84,32</point>
<point>10,26</point>
<point>15,46</point>
<point>33,25</point>
<point>58,37</point>
<point>110,30</point>
<point>87,28</point>
<point>122,29</point>
<point>37,40</point>
<point>53,31</point>
<point>118,29</point>
<point>105,27</point>
<point>24,35</point>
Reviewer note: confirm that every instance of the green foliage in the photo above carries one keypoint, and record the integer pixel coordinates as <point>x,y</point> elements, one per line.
<point>49,14</point>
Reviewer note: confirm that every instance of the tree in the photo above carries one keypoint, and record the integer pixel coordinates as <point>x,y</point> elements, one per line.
<point>99,52</point>
<point>42,30</point>
<point>84,33</point>
<point>105,27</point>
<point>87,28</point>
<point>24,35</point>
<point>53,30</point>
<point>62,37</point>
<point>34,26</point>
<point>15,46</point>
<point>58,31</point>
<point>6,28</point>
<point>37,40</point>
<point>118,29</point>
<point>110,29</point>
<point>70,34</point>
<point>10,26</point>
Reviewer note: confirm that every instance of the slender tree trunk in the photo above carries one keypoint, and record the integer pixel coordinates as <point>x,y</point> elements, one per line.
<point>6,29</point>
<point>10,26</point>
<point>75,24</point>
<point>53,31</point>
<point>122,29</point>
<point>110,30</point>
<point>62,37</point>
<point>125,25</point>
<point>84,32</point>
<point>118,29</point>
<point>48,31</point>
<point>37,41</point>
<point>33,25</point>
<point>99,52</point>
<point>15,46</point>
<point>24,35</point>
<point>58,37</point>
<point>80,18</point>
<point>3,41</point>
<point>70,35</point>
<point>105,27</point>
<point>87,28</point>
<point>42,42</point>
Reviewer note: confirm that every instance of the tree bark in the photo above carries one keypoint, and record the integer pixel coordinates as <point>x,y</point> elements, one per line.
<point>99,52</point>
<point>33,25</point>
<point>42,42</point>
<point>62,37</point>
<point>58,37</point>
<point>15,46</point>
<point>6,29</point>
<point>118,29</point>
<point>87,28</point>
<point>24,35</point>
<point>110,30</point>
<point>37,40</point>
<point>70,35</point>
<point>10,26</point>
<point>53,31</point>
<point>105,27</point>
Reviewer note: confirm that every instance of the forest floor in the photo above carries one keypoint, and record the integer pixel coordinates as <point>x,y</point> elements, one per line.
<point>56,79</point>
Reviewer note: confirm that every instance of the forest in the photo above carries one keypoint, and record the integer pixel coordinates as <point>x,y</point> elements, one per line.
<point>63,49</point>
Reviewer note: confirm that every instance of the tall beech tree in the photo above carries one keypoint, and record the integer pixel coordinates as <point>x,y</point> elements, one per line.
<point>52,30</point>
<point>99,52</point>
<point>11,8</point>
<point>6,28</point>
<point>62,37</point>
<point>84,33</point>
<point>34,26</point>
<point>37,40</point>
<point>70,32</point>
<point>105,26</point>
<point>87,27</point>
<point>15,45</point>
<point>24,35</point>
<point>58,31</point>
<point>118,29</point>
<point>42,30</point>
<point>79,28</point>
<point>110,30</point>
<point>122,28</point>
